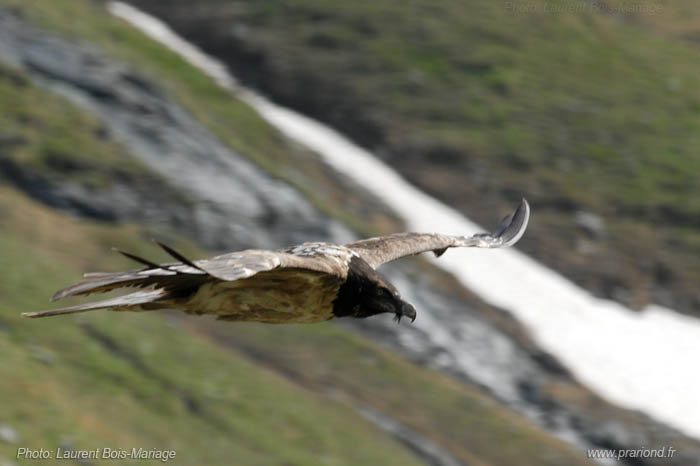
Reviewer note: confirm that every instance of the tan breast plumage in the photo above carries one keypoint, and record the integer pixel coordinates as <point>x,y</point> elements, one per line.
<point>277,296</point>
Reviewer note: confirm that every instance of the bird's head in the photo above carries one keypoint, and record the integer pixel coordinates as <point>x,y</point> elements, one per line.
<point>384,297</point>
<point>366,293</point>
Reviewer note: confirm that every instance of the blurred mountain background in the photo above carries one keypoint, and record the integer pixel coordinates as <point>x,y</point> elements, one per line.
<point>108,139</point>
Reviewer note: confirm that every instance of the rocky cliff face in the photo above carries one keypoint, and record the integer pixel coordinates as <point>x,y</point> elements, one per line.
<point>202,188</point>
<point>205,188</point>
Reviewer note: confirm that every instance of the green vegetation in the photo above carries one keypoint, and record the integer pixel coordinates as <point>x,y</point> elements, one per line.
<point>326,358</point>
<point>42,137</point>
<point>122,381</point>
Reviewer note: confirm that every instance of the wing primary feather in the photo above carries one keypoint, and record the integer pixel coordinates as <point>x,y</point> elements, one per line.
<point>503,226</point>
<point>179,256</point>
<point>97,274</point>
<point>138,259</point>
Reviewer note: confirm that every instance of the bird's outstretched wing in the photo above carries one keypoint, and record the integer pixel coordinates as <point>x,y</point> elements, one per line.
<point>244,264</point>
<point>175,279</point>
<point>378,251</point>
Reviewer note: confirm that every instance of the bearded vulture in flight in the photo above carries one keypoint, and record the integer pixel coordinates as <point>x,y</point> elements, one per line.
<point>311,282</point>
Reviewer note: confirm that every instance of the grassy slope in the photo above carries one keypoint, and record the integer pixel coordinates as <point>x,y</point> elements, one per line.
<point>584,110</point>
<point>38,133</point>
<point>474,427</point>
<point>38,138</point>
<point>124,380</point>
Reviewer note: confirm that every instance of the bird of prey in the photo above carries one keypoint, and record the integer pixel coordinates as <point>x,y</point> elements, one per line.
<point>310,282</point>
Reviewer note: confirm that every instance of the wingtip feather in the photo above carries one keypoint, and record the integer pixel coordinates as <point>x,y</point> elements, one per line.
<point>138,259</point>
<point>176,255</point>
<point>78,288</point>
<point>53,312</point>
<point>518,224</point>
<point>58,295</point>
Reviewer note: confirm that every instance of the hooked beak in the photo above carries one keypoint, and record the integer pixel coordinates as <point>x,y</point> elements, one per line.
<point>406,310</point>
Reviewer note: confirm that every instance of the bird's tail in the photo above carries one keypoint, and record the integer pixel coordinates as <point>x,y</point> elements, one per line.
<point>132,301</point>
<point>168,282</point>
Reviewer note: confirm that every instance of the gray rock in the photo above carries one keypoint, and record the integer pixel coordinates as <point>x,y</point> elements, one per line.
<point>427,450</point>
<point>235,203</point>
<point>591,224</point>
<point>42,355</point>
<point>8,434</point>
